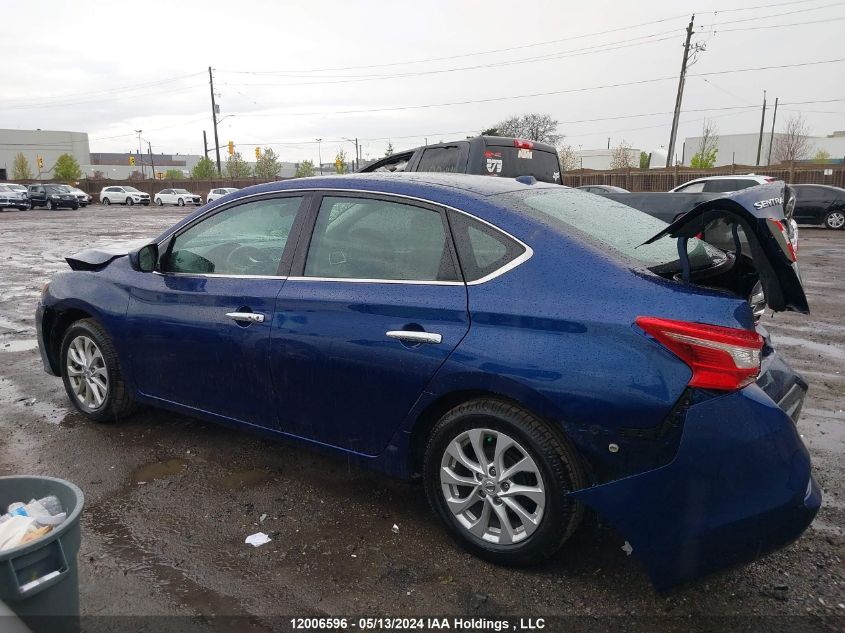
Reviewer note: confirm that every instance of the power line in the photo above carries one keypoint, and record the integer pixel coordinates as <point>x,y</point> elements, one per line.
<point>778,26</point>
<point>775,15</point>
<point>99,99</point>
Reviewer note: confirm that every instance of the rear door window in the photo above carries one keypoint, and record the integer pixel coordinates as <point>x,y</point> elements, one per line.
<point>695,187</point>
<point>722,185</point>
<point>369,238</point>
<point>482,249</point>
<point>451,159</point>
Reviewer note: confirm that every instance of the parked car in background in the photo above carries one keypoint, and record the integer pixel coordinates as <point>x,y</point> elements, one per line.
<point>12,199</point>
<point>52,197</point>
<point>123,195</point>
<point>16,187</point>
<point>483,155</point>
<point>179,197</point>
<point>723,184</point>
<point>415,325</point>
<point>83,197</point>
<point>820,204</point>
<point>219,193</point>
<point>602,189</point>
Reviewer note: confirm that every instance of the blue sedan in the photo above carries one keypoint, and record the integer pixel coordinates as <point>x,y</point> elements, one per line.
<point>529,350</point>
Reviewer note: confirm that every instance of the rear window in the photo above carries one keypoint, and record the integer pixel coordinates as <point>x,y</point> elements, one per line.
<point>612,224</point>
<point>511,162</point>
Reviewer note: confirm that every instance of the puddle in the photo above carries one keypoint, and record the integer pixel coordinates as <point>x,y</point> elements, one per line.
<point>245,478</point>
<point>159,470</point>
<point>19,346</point>
<point>10,393</point>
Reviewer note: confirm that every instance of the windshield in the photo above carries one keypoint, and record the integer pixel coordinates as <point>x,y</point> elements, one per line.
<point>5,188</point>
<point>55,189</point>
<point>131,189</point>
<point>16,187</point>
<point>180,191</point>
<point>612,224</point>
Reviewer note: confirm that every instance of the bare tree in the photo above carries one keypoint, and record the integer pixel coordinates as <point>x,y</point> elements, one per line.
<point>621,156</point>
<point>532,126</point>
<point>708,146</point>
<point>793,143</point>
<point>568,159</point>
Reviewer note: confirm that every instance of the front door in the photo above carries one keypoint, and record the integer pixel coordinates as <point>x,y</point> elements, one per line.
<point>200,326</point>
<point>376,307</point>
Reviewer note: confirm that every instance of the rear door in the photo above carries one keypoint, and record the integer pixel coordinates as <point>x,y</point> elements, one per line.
<point>373,307</point>
<point>810,204</point>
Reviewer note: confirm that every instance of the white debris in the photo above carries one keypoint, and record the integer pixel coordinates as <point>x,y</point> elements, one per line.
<point>262,517</point>
<point>627,548</point>
<point>395,529</point>
<point>257,539</point>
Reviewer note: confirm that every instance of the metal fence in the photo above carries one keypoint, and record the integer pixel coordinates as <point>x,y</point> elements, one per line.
<point>669,178</point>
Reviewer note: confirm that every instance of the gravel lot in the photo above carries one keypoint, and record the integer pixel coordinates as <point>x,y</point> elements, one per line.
<point>169,499</point>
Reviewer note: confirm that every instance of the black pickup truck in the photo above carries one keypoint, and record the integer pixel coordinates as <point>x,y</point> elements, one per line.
<point>507,157</point>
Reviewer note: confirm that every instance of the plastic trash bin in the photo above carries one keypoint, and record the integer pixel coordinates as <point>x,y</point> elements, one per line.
<point>39,580</point>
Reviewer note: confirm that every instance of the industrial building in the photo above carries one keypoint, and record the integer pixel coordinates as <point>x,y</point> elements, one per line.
<point>46,144</point>
<point>741,149</point>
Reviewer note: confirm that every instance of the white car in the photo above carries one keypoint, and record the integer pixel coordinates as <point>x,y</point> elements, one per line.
<point>179,197</point>
<point>83,197</point>
<point>219,193</point>
<point>723,184</point>
<point>123,195</point>
<point>13,198</point>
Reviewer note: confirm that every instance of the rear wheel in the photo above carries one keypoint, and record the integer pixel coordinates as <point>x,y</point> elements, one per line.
<point>106,201</point>
<point>835,220</point>
<point>159,202</point>
<point>51,205</point>
<point>498,477</point>
<point>91,373</point>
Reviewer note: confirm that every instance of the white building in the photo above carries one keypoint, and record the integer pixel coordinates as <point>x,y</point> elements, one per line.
<point>602,158</point>
<point>47,144</point>
<point>741,149</point>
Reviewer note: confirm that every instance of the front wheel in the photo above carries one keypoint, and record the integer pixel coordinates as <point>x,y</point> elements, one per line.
<point>835,220</point>
<point>181,202</point>
<point>91,373</point>
<point>106,201</point>
<point>498,477</point>
<point>129,202</point>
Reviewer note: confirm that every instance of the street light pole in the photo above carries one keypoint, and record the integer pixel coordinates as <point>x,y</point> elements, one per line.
<point>140,154</point>
<point>320,155</point>
<point>214,119</point>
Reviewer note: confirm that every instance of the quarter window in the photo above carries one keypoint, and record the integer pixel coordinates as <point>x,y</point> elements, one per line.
<point>482,249</point>
<point>244,240</point>
<point>695,187</point>
<point>442,159</point>
<point>363,238</point>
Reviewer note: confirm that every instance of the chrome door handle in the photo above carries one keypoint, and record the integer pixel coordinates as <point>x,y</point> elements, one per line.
<point>409,336</point>
<point>246,317</point>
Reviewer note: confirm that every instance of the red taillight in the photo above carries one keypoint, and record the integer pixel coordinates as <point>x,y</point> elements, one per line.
<point>523,144</point>
<point>770,179</point>
<point>720,357</point>
<point>779,231</point>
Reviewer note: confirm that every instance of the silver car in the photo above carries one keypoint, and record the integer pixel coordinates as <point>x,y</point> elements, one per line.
<point>10,197</point>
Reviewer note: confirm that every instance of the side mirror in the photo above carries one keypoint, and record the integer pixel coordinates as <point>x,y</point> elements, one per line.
<point>146,259</point>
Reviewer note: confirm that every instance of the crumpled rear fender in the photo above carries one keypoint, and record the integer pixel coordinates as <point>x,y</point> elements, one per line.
<point>739,486</point>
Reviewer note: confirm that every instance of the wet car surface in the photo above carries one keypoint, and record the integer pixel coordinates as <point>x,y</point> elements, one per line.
<point>170,499</point>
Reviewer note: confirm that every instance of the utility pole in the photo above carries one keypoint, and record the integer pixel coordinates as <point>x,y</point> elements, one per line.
<point>140,154</point>
<point>762,122</point>
<point>205,143</point>
<point>680,96</point>
<point>772,138</point>
<point>357,156</point>
<point>214,119</point>
<point>320,155</point>
<point>152,164</point>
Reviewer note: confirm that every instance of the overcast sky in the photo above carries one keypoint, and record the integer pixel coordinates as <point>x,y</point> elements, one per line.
<point>108,68</point>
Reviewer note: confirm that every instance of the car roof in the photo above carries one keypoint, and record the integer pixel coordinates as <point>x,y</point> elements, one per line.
<point>809,184</point>
<point>729,177</point>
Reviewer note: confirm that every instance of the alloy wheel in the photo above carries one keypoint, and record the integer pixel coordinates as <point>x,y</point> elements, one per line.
<point>835,220</point>
<point>87,373</point>
<point>492,486</point>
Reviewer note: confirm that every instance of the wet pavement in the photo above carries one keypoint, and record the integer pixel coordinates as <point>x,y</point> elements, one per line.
<point>170,499</point>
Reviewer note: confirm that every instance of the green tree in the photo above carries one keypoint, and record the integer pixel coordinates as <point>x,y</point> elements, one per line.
<point>490,131</point>
<point>305,169</point>
<point>340,162</point>
<point>67,168</point>
<point>703,161</point>
<point>204,169</point>
<point>822,156</point>
<point>20,168</point>
<point>389,150</point>
<point>237,167</point>
<point>644,160</point>
<point>174,174</point>
<point>268,166</point>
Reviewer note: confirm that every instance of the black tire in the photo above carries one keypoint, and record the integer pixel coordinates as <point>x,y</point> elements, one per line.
<point>834,220</point>
<point>31,206</point>
<point>159,202</point>
<point>50,205</point>
<point>75,207</point>
<point>181,202</point>
<point>558,463</point>
<point>106,201</point>
<point>129,202</point>
<point>118,402</point>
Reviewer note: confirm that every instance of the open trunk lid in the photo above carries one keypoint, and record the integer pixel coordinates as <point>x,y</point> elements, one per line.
<point>762,214</point>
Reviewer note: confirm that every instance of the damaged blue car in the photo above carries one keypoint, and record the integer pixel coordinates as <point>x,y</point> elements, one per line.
<point>527,349</point>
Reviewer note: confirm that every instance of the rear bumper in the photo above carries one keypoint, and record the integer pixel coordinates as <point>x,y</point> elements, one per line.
<point>740,486</point>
